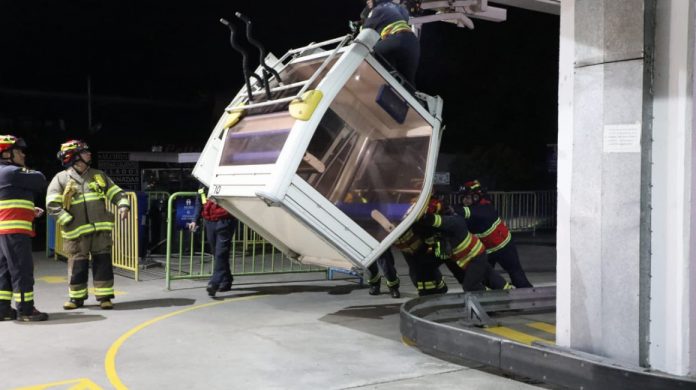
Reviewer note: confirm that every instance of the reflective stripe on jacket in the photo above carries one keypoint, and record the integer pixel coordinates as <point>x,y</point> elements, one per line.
<point>17,188</point>
<point>79,201</point>
<point>465,246</point>
<point>483,221</point>
<point>387,19</point>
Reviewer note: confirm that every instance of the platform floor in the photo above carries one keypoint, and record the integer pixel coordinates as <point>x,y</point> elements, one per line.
<point>270,332</point>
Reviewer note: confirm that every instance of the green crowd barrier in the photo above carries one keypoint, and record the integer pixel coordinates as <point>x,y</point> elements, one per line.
<point>187,259</point>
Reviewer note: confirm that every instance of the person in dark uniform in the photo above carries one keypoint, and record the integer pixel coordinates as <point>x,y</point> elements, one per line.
<point>219,229</point>
<point>398,45</point>
<point>457,244</point>
<point>483,220</point>
<point>386,264</point>
<point>436,239</point>
<point>18,186</point>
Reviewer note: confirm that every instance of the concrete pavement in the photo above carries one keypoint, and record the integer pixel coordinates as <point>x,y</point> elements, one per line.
<point>270,332</point>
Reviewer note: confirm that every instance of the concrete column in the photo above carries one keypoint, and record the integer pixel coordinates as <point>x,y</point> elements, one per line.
<point>601,100</point>
<point>672,331</point>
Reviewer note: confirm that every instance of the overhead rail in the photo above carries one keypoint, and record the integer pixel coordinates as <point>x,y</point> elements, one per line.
<point>459,12</point>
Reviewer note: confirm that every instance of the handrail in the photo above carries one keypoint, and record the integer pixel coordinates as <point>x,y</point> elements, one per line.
<point>305,84</point>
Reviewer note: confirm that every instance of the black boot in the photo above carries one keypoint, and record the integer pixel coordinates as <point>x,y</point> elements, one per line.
<point>211,290</point>
<point>8,314</point>
<point>33,317</point>
<point>375,289</point>
<point>394,291</point>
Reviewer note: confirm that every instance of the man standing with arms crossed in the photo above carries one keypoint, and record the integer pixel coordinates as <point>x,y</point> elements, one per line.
<point>18,186</point>
<point>77,198</point>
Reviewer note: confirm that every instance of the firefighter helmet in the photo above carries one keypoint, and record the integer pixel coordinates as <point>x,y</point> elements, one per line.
<point>435,205</point>
<point>474,189</point>
<point>9,142</point>
<point>70,152</point>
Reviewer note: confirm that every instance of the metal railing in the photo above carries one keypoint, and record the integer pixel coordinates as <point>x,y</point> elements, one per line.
<point>186,256</point>
<point>522,210</point>
<point>124,248</point>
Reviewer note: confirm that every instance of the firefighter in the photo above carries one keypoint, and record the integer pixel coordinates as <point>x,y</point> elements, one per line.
<point>423,264</point>
<point>483,220</point>
<point>398,45</point>
<point>18,186</point>
<point>453,242</point>
<point>77,197</point>
<point>386,265</point>
<point>219,229</point>
<point>385,262</point>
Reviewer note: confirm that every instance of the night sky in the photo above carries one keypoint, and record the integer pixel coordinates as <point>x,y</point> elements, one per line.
<point>161,72</point>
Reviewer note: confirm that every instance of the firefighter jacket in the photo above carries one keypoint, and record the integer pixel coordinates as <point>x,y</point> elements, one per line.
<point>483,220</point>
<point>79,202</point>
<point>18,186</point>
<point>458,243</point>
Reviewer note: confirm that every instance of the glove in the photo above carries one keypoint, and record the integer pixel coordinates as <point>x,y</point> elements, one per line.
<point>70,189</point>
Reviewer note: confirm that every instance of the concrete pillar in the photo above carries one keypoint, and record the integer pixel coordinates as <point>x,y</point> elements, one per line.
<point>672,330</point>
<point>627,182</point>
<point>601,99</point>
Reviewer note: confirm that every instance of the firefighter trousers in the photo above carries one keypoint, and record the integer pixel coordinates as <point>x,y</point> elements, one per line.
<point>16,273</point>
<point>508,258</point>
<point>386,264</point>
<point>423,268</point>
<point>219,235</point>
<point>401,51</point>
<point>97,246</point>
<point>479,273</point>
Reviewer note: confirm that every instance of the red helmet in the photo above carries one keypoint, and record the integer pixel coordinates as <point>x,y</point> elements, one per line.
<point>435,205</point>
<point>70,152</point>
<point>9,142</point>
<point>471,187</point>
<point>474,189</point>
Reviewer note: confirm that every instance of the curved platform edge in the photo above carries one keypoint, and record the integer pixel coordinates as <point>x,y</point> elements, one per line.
<point>547,363</point>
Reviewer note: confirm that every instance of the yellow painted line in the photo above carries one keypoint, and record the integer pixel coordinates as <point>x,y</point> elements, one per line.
<point>78,384</point>
<point>53,279</point>
<point>515,335</point>
<point>543,326</point>
<point>408,342</point>
<point>110,360</point>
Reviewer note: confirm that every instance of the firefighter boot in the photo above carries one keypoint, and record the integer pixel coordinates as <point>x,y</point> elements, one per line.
<point>73,304</point>
<point>211,290</point>
<point>7,313</point>
<point>33,317</point>
<point>375,289</point>
<point>105,304</point>
<point>394,291</point>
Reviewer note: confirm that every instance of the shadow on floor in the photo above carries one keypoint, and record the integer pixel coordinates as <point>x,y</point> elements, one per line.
<point>150,303</point>
<point>376,312</point>
<point>287,289</point>
<point>66,318</point>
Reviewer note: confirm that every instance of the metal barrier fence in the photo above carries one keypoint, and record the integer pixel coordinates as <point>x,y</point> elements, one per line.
<point>124,250</point>
<point>522,210</point>
<point>250,253</point>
